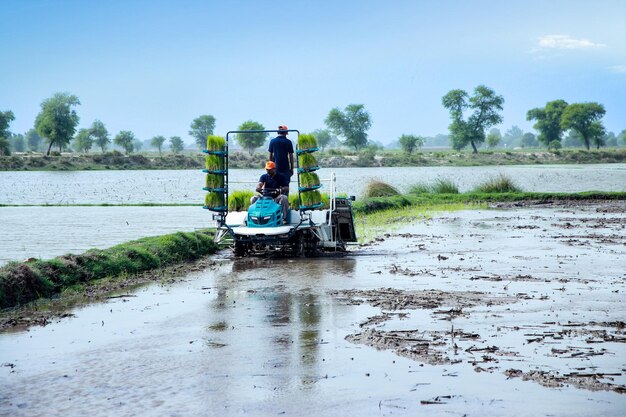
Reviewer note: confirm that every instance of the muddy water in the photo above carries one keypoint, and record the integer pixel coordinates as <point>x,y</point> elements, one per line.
<point>494,312</point>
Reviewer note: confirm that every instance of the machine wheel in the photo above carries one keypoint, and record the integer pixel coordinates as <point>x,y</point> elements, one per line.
<point>298,245</point>
<point>241,249</point>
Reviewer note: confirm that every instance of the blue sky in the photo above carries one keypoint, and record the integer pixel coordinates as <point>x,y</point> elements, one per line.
<point>153,66</point>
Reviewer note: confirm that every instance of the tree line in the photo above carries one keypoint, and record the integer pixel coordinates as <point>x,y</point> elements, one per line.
<point>471,117</point>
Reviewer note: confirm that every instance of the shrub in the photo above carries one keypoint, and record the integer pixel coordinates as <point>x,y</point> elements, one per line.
<point>442,186</point>
<point>379,189</point>
<point>499,184</point>
<point>239,200</point>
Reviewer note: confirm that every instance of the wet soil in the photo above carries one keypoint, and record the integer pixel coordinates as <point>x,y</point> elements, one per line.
<point>466,313</point>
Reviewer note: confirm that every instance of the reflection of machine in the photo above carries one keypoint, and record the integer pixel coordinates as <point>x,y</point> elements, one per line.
<point>308,230</point>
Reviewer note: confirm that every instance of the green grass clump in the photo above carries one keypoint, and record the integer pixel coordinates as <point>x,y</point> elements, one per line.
<point>499,184</point>
<point>239,200</point>
<point>309,179</point>
<point>214,199</point>
<point>442,186</point>
<point>379,189</point>
<point>22,282</point>
<point>215,143</point>
<point>307,161</point>
<point>214,181</point>
<point>214,162</point>
<point>307,141</point>
<point>421,188</point>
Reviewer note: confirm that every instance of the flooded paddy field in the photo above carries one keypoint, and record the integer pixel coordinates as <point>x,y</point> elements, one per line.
<point>185,186</point>
<point>512,311</point>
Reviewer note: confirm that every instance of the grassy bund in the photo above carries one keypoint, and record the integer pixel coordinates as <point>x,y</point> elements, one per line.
<point>22,282</point>
<point>331,159</point>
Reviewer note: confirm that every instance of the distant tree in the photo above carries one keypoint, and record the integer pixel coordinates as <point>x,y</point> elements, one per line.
<point>57,120</point>
<point>529,140</point>
<point>176,144</point>
<point>555,145</point>
<point>548,121</point>
<point>622,137</point>
<point>6,117</point>
<point>17,143</point>
<point>323,137</point>
<point>352,124</point>
<point>126,140</point>
<point>585,119</point>
<point>409,143</point>
<point>486,105</point>
<point>83,141</point>
<point>158,142</point>
<point>610,139</point>
<point>137,145</point>
<point>202,127</point>
<point>572,139</point>
<point>100,135</point>
<point>513,136</point>
<point>494,138</point>
<point>251,141</point>
<point>33,140</point>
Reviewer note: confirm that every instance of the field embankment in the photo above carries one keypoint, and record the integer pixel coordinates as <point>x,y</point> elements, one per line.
<point>331,159</point>
<point>22,282</point>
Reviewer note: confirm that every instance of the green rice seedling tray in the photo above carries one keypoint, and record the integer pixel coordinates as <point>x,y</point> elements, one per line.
<point>218,209</point>
<point>311,207</point>
<point>211,171</point>
<point>309,150</point>
<point>215,152</point>
<point>301,170</point>
<point>314,187</point>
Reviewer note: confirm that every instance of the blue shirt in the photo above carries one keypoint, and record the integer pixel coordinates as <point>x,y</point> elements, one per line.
<point>279,180</point>
<point>281,147</point>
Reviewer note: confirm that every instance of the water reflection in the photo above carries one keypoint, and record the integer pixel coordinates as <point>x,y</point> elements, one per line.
<point>284,308</point>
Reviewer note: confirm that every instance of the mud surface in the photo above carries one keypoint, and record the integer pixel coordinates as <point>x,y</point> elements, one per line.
<point>517,311</point>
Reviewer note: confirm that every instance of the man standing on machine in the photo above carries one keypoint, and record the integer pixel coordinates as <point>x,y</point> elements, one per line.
<point>281,152</point>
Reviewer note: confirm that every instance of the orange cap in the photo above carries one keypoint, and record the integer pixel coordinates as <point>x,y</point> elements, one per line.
<point>282,127</point>
<point>270,165</point>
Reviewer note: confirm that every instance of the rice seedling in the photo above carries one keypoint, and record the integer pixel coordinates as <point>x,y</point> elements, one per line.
<point>307,141</point>
<point>307,161</point>
<point>310,198</point>
<point>215,143</point>
<point>499,184</point>
<point>443,186</point>
<point>239,200</point>
<point>214,181</point>
<point>309,179</point>
<point>379,189</point>
<point>214,162</point>
<point>214,199</point>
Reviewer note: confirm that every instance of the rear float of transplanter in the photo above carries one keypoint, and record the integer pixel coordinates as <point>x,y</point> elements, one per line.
<point>310,228</point>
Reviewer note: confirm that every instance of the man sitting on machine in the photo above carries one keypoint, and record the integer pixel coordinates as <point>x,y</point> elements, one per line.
<point>275,185</point>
